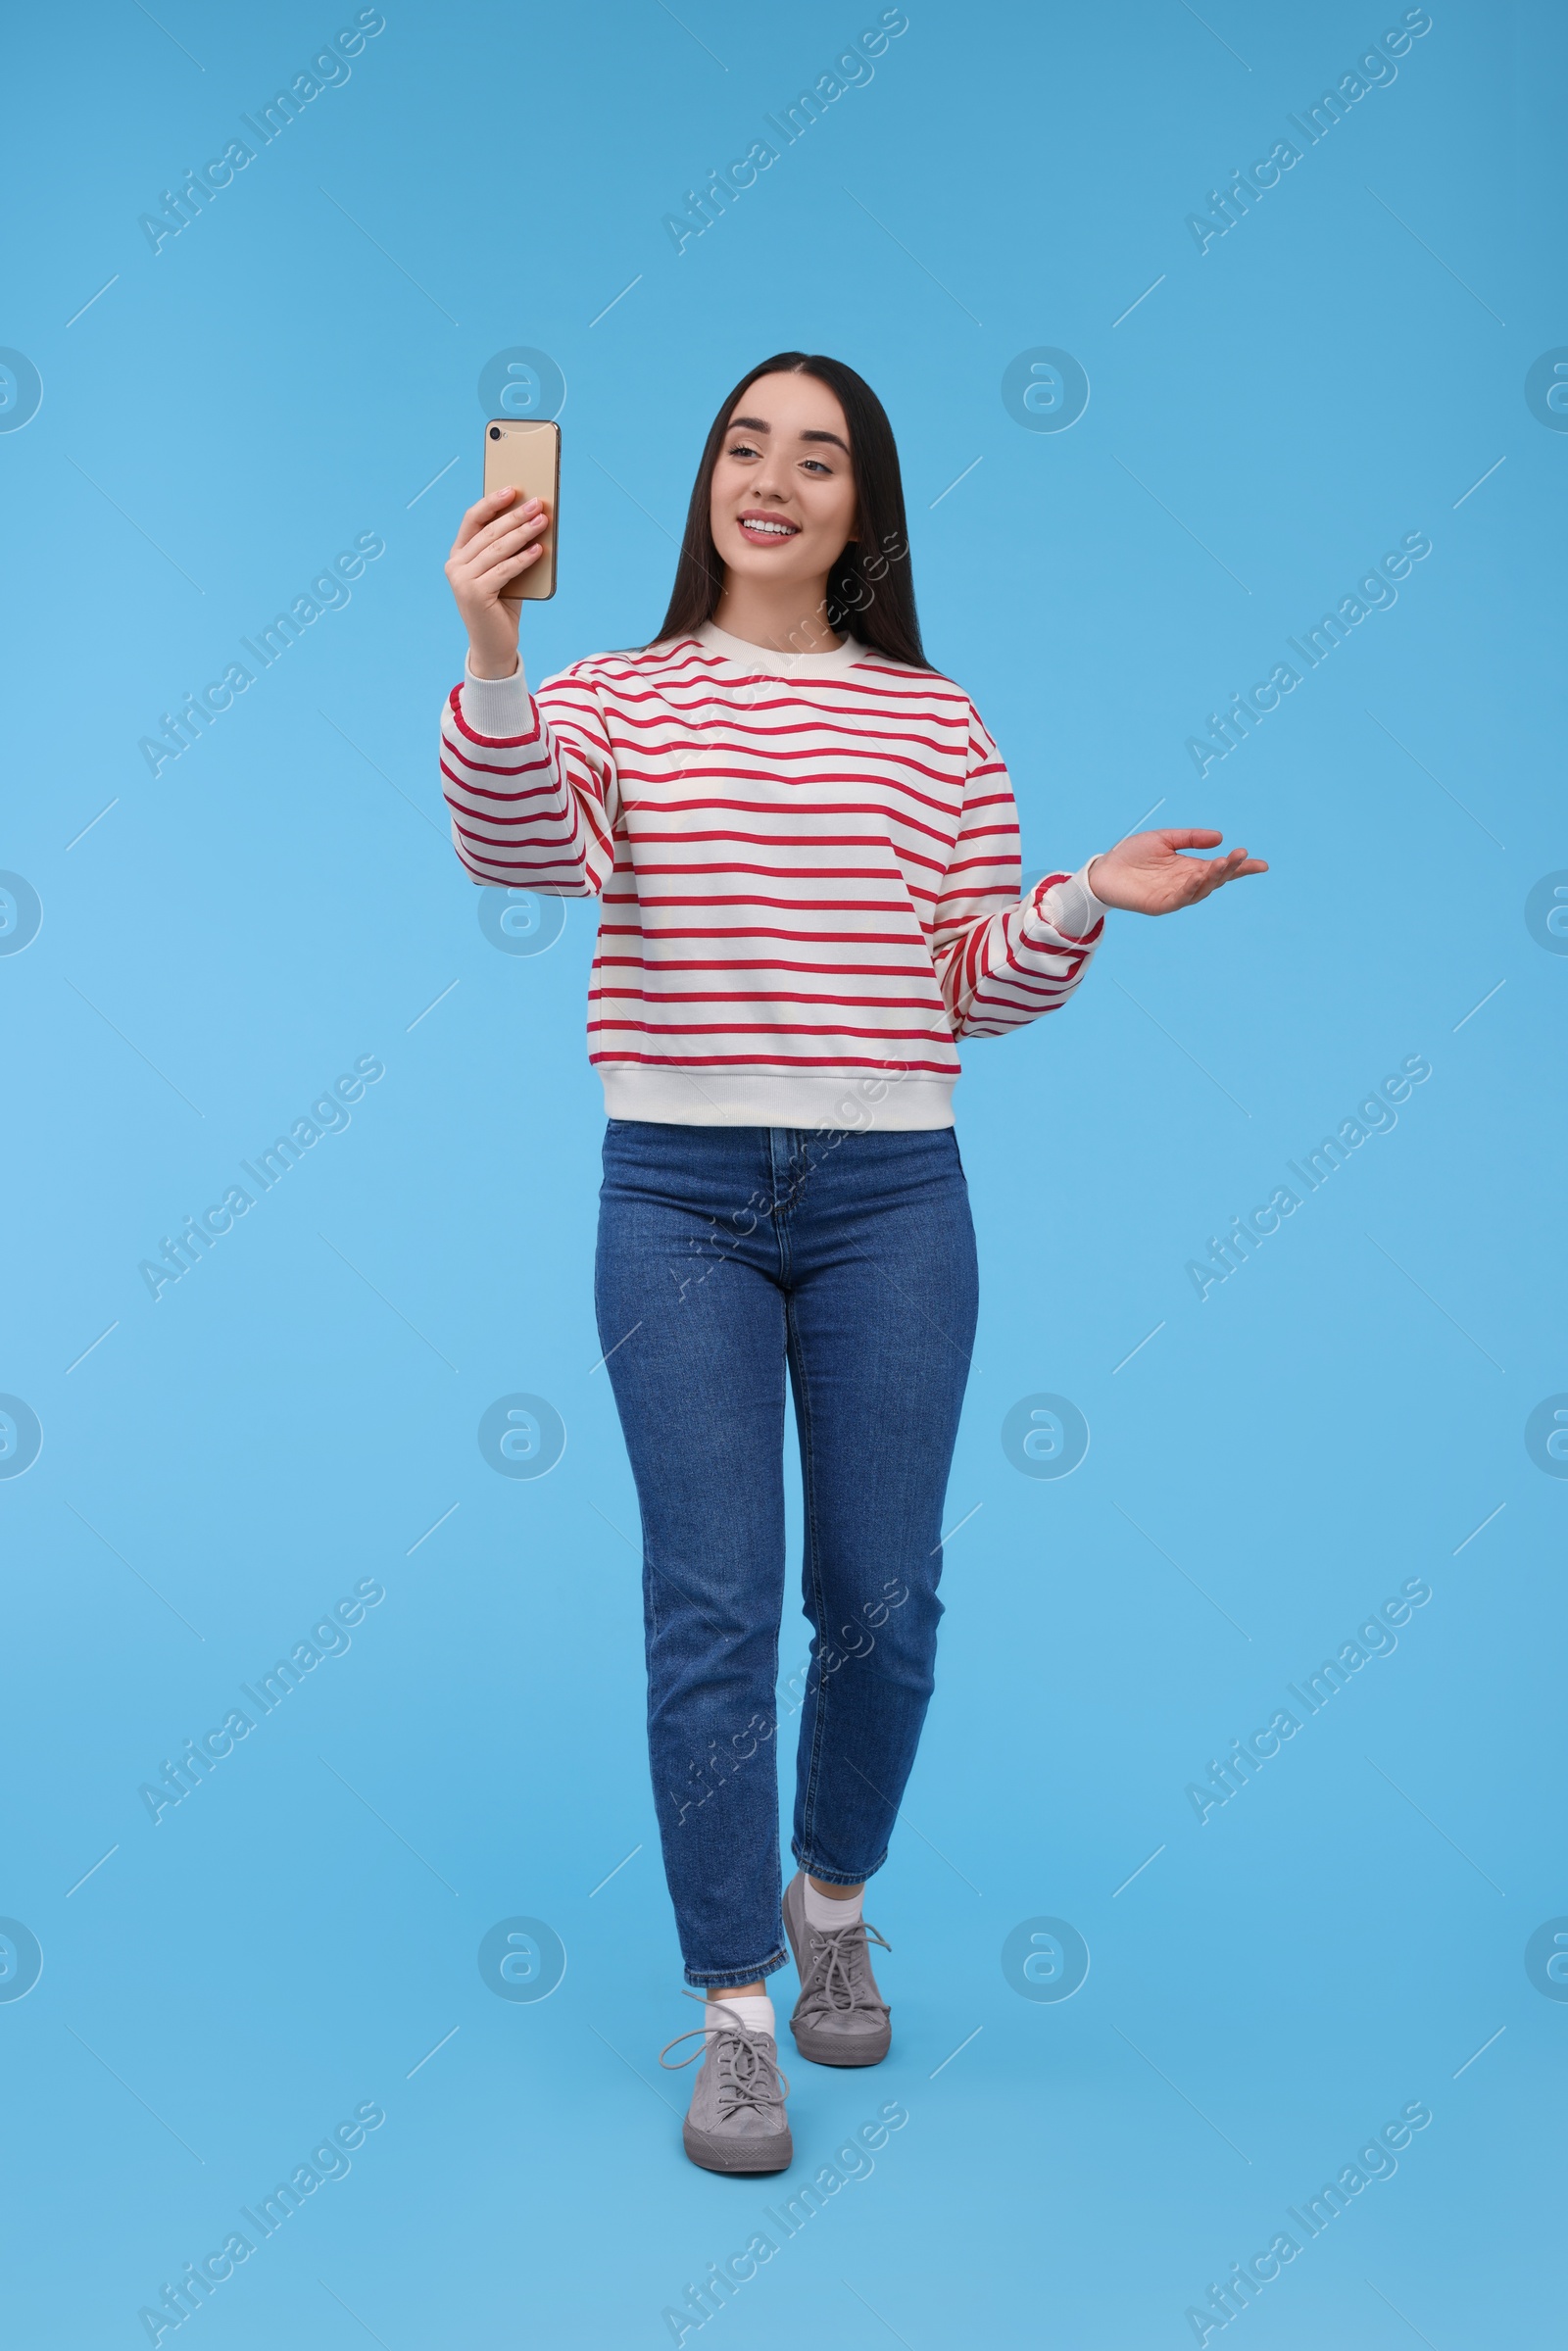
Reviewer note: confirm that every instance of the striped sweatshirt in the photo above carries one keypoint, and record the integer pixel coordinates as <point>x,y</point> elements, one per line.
<point>808,870</point>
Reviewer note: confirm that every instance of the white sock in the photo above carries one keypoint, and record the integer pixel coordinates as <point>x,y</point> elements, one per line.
<point>828,1910</point>
<point>753,2010</point>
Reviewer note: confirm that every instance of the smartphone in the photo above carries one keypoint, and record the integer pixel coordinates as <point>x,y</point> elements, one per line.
<point>528,455</point>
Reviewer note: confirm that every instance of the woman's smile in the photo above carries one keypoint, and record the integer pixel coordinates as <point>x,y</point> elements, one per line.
<point>767,530</point>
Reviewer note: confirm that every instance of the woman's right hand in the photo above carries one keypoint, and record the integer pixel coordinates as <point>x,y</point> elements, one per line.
<point>496,541</point>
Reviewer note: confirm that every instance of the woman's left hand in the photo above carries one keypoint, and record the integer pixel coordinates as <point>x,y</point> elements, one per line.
<point>1146,874</point>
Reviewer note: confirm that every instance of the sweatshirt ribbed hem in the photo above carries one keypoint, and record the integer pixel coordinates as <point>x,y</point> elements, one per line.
<point>859,1100</point>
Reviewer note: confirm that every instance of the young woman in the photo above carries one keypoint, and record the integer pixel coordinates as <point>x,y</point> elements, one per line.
<point>806,851</point>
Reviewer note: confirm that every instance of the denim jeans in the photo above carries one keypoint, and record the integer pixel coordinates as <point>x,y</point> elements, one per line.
<point>723,1254</point>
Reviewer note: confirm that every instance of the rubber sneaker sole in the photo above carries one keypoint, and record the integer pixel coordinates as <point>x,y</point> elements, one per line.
<point>775,2153</point>
<point>842,2048</point>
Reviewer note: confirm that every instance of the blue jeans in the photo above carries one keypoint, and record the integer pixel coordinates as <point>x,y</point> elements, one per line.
<point>723,1254</point>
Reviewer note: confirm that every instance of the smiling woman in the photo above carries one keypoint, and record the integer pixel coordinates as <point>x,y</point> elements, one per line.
<point>806,848</point>
<point>819,468</point>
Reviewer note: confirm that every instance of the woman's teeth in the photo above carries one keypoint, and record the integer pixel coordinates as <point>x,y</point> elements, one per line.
<point>774,531</point>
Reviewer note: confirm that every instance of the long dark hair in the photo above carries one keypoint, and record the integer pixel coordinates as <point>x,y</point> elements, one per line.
<point>870,594</point>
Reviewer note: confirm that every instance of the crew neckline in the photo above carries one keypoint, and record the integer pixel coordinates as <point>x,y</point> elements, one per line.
<point>763,662</point>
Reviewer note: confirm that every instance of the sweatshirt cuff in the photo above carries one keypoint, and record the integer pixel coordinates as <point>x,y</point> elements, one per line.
<point>496,705</point>
<point>1071,907</point>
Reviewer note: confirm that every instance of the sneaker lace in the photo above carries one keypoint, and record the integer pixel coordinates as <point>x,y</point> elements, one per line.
<point>839,1976</point>
<point>749,2078</point>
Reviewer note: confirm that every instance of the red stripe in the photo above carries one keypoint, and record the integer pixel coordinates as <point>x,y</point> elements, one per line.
<point>681,930</point>
<point>549,790</point>
<point>733,773</point>
<point>760,996</point>
<point>663,963</point>
<point>790,804</point>
<point>776,1063</point>
<point>775,1028</point>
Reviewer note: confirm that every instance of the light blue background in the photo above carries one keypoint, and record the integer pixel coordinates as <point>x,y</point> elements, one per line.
<point>1338,1417</point>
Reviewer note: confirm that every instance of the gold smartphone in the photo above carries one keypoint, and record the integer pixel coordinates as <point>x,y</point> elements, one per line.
<point>528,455</point>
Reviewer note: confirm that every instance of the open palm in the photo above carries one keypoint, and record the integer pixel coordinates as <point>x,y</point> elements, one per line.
<point>1147,874</point>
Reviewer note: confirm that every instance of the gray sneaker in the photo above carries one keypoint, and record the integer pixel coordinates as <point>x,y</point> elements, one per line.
<point>840,2018</point>
<point>736,2121</point>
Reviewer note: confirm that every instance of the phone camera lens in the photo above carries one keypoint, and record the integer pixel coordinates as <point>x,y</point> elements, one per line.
<point>495,432</point>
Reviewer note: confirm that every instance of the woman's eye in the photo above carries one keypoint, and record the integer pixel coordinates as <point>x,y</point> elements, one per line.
<point>741,449</point>
<point>813,465</point>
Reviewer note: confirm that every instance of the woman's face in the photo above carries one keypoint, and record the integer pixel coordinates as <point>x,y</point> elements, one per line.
<point>782,506</point>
